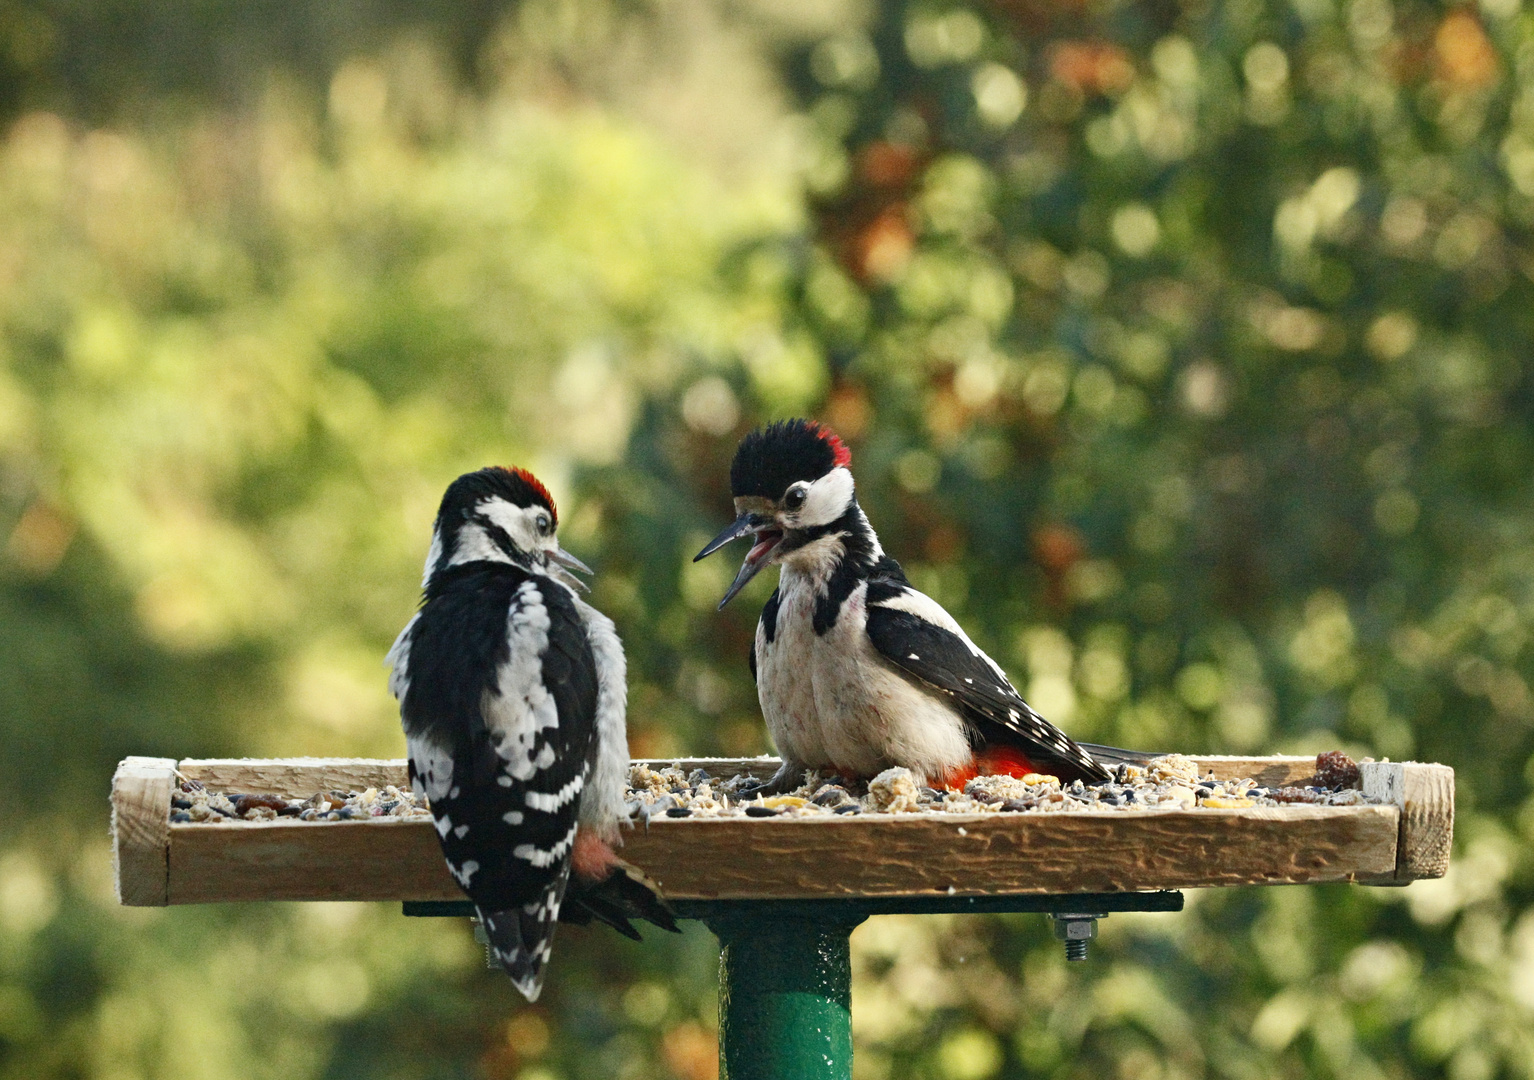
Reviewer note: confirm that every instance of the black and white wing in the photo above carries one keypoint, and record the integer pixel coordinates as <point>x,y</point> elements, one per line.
<point>914,633</point>
<point>498,702</point>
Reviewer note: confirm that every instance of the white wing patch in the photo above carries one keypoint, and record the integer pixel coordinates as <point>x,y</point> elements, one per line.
<point>538,800</point>
<point>540,857</point>
<point>464,873</point>
<point>433,769</point>
<point>929,610</point>
<point>523,707</point>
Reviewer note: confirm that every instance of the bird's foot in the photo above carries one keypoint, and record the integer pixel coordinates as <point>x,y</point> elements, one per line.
<point>786,779</point>
<point>642,812</point>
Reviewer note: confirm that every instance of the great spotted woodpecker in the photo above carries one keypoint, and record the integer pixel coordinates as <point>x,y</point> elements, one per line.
<point>856,670</point>
<point>512,697</point>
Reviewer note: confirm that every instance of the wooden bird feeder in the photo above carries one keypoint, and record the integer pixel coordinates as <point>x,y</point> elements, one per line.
<point>783,893</point>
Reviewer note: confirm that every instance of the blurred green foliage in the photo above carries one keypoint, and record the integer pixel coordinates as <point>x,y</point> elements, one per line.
<point>1184,353</point>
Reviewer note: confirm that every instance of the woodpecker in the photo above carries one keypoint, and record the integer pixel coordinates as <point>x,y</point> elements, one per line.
<point>512,695</point>
<point>856,670</point>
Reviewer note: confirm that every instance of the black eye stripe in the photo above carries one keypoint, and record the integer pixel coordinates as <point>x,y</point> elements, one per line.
<point>498,535</point>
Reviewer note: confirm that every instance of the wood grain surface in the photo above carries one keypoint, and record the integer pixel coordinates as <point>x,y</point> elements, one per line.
<point>1424,794</point>
<point>738,858</point>
<point>294,778</point>
<point>893,855</point>
<point>141,830</point>
<point>383,859</point>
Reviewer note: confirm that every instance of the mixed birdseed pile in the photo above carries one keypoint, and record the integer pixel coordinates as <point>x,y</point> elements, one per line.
<point>191,801</point>
<point>1165,783</point>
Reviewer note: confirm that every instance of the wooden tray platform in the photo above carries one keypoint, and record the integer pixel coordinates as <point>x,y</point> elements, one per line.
<point>1401,837</point>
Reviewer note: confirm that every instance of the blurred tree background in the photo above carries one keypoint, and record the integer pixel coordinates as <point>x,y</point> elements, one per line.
<point>1185,352</point>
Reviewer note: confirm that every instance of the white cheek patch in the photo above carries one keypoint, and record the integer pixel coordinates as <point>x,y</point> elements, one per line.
<point>475,545</point>
<point>519,522</point>
<point>827,498</point>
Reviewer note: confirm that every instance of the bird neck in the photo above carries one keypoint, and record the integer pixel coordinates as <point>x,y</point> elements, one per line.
<point>847,547</point>
<point>475,543</point>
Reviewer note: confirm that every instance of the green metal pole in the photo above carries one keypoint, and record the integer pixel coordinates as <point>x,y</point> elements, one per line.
<point>785,991</point>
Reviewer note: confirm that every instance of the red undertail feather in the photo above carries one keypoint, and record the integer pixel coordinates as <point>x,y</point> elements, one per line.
<point>838,448</point>
<point>593,858</point>
<point>994,761</point>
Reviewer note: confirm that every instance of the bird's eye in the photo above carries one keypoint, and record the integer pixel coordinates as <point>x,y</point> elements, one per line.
<point>794,499</point>
<point>543,524</point>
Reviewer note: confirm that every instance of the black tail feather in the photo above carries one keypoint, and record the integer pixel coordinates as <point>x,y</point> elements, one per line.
<point>1113,755</point>
<point>624,897</point>
<point>521,939</point>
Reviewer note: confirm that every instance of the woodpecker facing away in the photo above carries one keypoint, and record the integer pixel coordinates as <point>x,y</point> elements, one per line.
<point>512,695</point>
<point>856,670</point>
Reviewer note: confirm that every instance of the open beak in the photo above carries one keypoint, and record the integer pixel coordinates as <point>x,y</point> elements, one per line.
<point>768,536</point>
<point>562,562</point>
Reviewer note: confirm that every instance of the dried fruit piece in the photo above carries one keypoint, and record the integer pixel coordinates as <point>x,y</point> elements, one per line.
<point>1334,769</point>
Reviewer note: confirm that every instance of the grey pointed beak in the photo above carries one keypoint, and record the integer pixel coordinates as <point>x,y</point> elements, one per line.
<point>561,562</point>
<point>768,537</point>
<point>565,559</point>
<point>744,525</point>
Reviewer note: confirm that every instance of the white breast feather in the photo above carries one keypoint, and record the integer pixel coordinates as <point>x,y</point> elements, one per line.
<point>398,660</point>
<point>602,806</point>
<point>834,702</point>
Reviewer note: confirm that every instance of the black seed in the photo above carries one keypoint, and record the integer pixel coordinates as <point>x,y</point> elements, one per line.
<point>760,811</point>
<point>179,803</point>
<point>1014,805</point>
<point>932,793</point>
<point>346,813</point>
<point>679,811</point>
<point>180,815</point>
<point>850,808</point>
<point>830,795</point>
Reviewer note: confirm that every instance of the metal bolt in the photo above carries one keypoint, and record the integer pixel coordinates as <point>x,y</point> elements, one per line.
<point>482,936</point>
<point>1076,929</point>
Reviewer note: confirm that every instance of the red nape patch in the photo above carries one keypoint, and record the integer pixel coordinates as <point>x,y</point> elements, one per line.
<point>538,488</point>
<point>592,858</point>
<point>843,456</point>
<point>993,761</point>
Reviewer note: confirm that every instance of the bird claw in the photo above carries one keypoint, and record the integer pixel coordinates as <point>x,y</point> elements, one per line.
<point>783,781</point>
<point>643,811</point>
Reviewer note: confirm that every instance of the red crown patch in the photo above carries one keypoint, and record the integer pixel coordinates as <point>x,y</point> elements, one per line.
<point>843,456</point>
<point>538,489</point>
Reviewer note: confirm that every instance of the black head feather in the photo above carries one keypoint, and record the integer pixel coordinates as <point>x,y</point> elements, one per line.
<point>517,486</point>
<point>772,458</point>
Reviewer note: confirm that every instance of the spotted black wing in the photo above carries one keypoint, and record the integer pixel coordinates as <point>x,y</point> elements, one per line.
<point>498,707</point>
<point>913,632</point>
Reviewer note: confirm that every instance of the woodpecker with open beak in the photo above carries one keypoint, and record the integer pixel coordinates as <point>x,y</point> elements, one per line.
<point>512,695</point>
<point>857,671</point>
